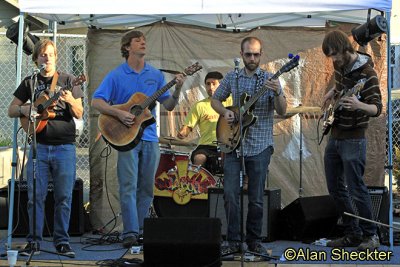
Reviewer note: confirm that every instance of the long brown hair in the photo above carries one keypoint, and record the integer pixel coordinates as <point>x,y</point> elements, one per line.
<point>336,42</point>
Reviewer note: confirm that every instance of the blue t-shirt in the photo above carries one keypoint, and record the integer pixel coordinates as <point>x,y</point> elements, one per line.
<point>121,83</point>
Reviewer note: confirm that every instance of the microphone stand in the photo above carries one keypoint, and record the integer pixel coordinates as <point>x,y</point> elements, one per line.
<point>242,174</point>
<point>32,120</point>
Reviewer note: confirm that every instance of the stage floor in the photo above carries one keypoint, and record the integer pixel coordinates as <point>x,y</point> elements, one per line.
<point>91,249</point>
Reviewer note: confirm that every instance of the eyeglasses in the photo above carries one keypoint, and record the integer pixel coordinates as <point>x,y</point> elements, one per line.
<point>256,55</point>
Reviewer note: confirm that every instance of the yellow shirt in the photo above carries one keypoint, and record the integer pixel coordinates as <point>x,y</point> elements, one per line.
<point>206,117</point>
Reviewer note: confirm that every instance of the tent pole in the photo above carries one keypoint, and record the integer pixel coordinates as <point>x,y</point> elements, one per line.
<point>390,130</point>
<point>14,164</point>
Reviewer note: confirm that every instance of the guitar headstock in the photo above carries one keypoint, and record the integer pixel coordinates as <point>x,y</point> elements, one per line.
<point>294,62</point>
<point>192,69</point>
<point>79,80</point>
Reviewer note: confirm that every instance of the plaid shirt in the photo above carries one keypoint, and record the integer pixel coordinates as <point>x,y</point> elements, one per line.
<point>259,135</point>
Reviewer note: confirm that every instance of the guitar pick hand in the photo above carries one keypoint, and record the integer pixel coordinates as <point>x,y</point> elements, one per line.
<point>350,103</point>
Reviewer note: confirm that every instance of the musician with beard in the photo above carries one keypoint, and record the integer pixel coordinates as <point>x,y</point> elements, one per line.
<point>345,153</point>
<point>257,144</point>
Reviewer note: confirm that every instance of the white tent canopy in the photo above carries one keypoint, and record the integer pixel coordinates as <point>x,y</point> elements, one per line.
<point>235,14</point>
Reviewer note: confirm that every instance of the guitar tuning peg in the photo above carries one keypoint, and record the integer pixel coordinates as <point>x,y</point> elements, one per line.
<point>290,55</point>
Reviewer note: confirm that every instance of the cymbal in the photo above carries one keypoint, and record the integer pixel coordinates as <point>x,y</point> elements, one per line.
<point>304,109</point>
<point>290,112</point>
<point>171,140</point>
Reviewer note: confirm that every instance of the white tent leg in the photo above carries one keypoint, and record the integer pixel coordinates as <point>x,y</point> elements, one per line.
<point>15,139</point>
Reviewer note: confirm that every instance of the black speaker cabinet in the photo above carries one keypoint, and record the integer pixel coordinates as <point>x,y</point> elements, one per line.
<point>179,242</point>
<point>21,224</point>
<point>380,211</point>
<point>308,218</point>
<point>272,206</point>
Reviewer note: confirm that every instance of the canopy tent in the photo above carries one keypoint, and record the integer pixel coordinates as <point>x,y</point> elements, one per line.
<point>228,15</point>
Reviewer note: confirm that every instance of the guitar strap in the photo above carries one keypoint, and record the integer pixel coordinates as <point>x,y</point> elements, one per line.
<point>260,80</point>
<point>53,83</point>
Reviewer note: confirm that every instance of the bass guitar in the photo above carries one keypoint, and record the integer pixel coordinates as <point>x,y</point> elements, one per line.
<point>124,138</point>
<point>228,135</point>
<point>44,106</point>
<point>329,114</point>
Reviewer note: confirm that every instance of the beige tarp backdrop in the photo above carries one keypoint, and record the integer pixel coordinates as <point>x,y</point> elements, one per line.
<point>174,47</point>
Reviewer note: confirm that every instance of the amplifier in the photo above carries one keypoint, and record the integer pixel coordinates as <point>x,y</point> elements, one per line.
<point>272,206</point>
<point>380,210</point>
<point>21,220</point>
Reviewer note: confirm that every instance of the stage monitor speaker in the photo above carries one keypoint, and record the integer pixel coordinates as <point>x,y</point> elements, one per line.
<point>182,242</point>
<point>21,220</point>
<point>308,218</point>
<point>272,206</point>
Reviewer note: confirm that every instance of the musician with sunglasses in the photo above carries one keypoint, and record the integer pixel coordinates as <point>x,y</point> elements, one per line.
<point>256,144</point>
<point>358,96</point>
<point>55,150</point>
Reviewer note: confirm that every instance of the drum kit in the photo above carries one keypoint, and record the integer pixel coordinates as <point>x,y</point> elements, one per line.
<point>180,187</point>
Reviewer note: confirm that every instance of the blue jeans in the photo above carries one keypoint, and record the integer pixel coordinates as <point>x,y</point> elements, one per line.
<point>257,170</point>
<point>136,171</point>
<point>56,162</point>
<point>344,170</point>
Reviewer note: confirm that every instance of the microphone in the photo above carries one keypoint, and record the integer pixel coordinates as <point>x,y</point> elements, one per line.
<point>36,71</point>
<point>237,62</point>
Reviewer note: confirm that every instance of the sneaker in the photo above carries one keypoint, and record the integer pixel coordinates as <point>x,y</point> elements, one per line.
<point>31,246</point>
<point>257,248</point>
<point>65,250</point>
<point>345,241</point>
<point>129,241</point>
<point>369,242</point>
<point>232,247</point>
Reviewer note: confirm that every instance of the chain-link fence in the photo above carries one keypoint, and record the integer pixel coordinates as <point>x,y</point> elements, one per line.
<point>395,74</point>
<point>71,51</point>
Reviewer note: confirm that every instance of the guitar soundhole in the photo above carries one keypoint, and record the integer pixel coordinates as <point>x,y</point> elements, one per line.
<point>136,110</point>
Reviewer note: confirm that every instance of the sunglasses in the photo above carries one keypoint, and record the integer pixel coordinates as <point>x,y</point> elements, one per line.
<point>256,55</point>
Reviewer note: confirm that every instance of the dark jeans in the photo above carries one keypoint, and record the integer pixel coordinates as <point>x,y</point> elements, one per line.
<point>256,169</point>
<point>344,170</point>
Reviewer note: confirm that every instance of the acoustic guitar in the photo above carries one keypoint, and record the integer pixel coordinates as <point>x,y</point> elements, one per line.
<point>124,138</point>
<point>44,106</point>
<point>329,114</point>
<point>228,135</point>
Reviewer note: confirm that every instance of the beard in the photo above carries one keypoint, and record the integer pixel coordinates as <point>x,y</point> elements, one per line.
<point>251,66</point>
<point>342,64</point>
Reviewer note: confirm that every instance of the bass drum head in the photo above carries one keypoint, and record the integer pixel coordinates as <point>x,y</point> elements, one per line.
<point>167,207</point>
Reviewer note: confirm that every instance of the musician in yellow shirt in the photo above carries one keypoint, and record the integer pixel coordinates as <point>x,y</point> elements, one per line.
<point>203,115</point>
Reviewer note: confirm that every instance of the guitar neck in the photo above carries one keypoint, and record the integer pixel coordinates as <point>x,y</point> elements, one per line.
<point>354,90</point>
<point>259,94</point>
<point>49,102</point>
<point>152,99</point>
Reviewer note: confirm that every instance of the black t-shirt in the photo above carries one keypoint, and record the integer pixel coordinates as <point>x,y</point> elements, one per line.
<point>61,129</point>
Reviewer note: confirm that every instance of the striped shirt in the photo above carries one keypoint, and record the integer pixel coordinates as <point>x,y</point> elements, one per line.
<point>353,124</point>
<point>259,135</point>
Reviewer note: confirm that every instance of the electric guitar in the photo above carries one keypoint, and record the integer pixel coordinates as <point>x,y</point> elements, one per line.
<point>44,106</point>
<point>124,138</point>
<point>329,114</point>
<point>228,135</point>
